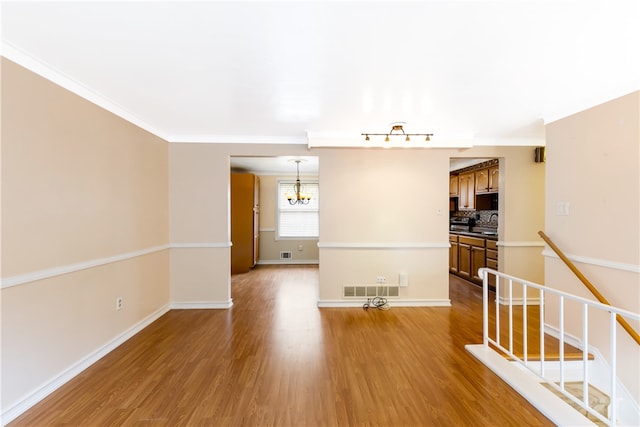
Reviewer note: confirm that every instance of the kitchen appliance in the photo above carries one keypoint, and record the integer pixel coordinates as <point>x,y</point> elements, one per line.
<point>460,223</point>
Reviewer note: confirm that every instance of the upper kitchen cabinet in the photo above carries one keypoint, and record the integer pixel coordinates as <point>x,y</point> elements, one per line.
<point>487,180</point>
<point>453,186</point>
<point>476,187</point>
<point>245,227</point>
<point>467,191</point>
<point>494,178</point>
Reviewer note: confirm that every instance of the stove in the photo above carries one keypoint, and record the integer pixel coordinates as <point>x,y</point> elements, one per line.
<point>459,223</point>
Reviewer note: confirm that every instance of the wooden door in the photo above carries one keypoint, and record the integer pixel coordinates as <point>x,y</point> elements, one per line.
<point>256,221</point>
<point>243,218</point>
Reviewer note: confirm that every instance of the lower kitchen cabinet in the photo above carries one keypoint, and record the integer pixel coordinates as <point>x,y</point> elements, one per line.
<point>453,253</point>
<point>468,254</point>
<point>464,261</point>
<point>492,260</point>
<point>478,260</point>
<point>471,257</point>
<point>471,254</point>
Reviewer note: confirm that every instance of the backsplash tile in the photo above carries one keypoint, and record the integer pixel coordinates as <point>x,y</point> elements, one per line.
<point>485,217</point>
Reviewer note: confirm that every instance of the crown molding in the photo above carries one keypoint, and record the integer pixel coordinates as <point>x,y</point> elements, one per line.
<point>236,139</point>
<point>56,76</point>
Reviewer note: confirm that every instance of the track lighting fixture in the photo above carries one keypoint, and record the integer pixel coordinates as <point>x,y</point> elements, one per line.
<point>397,129</point>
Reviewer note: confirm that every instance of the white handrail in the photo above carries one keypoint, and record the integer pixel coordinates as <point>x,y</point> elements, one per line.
<point>544,294</point>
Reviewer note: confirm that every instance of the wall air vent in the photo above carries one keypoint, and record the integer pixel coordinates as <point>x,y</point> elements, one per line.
<point>286,255</point>
<point>370,291</point>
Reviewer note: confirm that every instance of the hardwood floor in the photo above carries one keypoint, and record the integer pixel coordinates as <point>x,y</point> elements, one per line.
<point>275,359</point>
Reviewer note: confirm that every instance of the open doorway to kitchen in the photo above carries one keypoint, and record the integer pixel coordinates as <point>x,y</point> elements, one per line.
<point>274,211</point>
<point>474,216</point>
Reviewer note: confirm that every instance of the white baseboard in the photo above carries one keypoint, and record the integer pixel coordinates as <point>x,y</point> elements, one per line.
<point>527,385</point>
<point>392,303</point>
<point>287,261</point>
<point>59,380</point>
<point>197,305</point>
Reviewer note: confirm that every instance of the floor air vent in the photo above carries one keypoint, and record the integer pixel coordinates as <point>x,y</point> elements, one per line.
<point>370,291</point>
<point>286,255</point>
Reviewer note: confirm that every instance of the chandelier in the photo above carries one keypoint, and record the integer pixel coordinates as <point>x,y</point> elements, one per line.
<point>298,197</point>
<point>397,127</point>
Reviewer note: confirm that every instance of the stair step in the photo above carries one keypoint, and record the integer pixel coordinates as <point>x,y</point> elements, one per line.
<point>555,357</point>
<point>598,400</point>
<point>570,354</point>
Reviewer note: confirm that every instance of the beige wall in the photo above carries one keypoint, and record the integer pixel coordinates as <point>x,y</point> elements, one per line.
<point>593,160</point>
<point>84,193</point>
<point>383,212</point>
<point>392,218</point>
<point>200,224</point>
<point>270,246</point>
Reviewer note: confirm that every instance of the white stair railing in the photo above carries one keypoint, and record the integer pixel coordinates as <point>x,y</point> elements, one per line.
<point>504,295</point>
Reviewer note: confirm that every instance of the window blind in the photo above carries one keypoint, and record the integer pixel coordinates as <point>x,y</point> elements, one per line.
<point>298,221</point>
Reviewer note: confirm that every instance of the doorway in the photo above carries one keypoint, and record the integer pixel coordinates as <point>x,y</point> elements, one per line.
<point>474,192</point>
<point>274,178</point>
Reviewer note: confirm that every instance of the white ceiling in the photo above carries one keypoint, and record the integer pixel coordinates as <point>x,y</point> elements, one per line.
<point>280,165</point>
<point>236,71</point>
<point>309,165</point>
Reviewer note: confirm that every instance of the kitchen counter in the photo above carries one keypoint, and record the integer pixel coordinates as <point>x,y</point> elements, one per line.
<point>479,233</point>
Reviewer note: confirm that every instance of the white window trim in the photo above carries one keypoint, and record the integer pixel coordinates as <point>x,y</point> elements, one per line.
<point>291,181</point>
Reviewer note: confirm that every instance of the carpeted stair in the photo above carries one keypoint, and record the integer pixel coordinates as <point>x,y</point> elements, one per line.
<point>598,400</point>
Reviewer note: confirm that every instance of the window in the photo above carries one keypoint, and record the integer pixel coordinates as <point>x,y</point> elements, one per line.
<point>298,221</point>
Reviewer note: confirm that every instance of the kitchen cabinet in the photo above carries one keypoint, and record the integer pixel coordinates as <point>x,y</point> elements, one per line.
<point>467,192</point>
<point>492,260</point>
<point>468,254</point>
<point>487,180</point>
<point>453,186</point>
<point>453,253</point>
<point>471,257</point>
<point>494,178</point>
<point>482,181</point>
<point>245,221</point>
<point>478,260</point>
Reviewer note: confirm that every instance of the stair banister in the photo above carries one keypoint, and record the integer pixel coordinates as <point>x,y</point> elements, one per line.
<point>627,327</point>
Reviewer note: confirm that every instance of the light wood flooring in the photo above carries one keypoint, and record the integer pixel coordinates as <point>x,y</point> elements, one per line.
<point>275,359</point>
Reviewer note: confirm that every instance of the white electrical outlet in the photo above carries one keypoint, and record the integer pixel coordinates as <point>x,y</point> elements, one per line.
<point>118,303</point>
<point>381,279</point>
